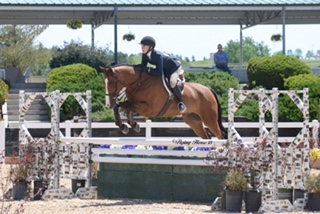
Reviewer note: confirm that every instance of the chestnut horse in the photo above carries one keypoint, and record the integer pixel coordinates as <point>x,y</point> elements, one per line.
<point>135,91</point>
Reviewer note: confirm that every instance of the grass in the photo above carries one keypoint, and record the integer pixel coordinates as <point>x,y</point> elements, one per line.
<point>312,63</point>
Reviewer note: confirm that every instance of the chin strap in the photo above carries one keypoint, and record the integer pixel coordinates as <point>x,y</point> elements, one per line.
<point>150,49</point>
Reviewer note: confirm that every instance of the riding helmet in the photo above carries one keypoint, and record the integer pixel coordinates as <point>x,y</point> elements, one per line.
<point>148,40</point>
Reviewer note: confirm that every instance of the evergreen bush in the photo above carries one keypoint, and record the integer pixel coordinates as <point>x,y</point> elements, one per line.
<point>288,110</point>
<point>4,92</point>
<point>78,78</point>
<point>271,72</point>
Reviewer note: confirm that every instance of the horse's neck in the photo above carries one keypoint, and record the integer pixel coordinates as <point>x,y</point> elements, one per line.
<point>129,76</point>
<point>135,78</point>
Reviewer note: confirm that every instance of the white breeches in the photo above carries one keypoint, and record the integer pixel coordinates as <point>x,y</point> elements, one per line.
<point>174,77</point>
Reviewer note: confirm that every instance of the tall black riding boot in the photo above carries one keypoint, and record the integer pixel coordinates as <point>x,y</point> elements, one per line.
<point>177,93</point>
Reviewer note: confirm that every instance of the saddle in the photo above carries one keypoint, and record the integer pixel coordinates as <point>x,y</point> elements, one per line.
<point>182,79</point>
<point>180,84</point>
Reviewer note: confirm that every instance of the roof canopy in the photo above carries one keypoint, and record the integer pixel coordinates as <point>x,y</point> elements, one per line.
<point>167,12</point>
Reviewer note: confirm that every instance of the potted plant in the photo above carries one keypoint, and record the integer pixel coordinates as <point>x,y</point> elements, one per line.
<point>42,180</point>
<point>256,161</point>
<point>276,37</point>
<point>313,187</point>
<point>19,175</point>
<point>235,184</point>
<point>250,161</point>
<point>74,24</point>
<point>128,36</point>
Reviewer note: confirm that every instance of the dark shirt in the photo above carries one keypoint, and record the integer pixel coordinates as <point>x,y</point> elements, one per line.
<point>164,63</point>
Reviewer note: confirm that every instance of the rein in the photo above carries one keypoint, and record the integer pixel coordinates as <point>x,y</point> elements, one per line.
<point>124,92</point>
<point>138,86</point>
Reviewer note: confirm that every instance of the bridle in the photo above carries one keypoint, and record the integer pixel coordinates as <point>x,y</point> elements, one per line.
<point>123,93</point>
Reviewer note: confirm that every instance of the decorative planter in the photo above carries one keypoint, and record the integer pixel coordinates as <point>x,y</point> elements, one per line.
<point>252,200</point>
<point>19,190</point>
<point>159,182</point>
<point>234,201</point>
<point>38,185</point>
<point>313,201</point>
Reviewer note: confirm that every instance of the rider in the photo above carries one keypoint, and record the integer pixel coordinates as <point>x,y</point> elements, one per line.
<point>164,65</point>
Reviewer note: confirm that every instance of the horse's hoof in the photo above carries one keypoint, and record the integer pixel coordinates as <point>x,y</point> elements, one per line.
<point>136,128</point>
<point>124,128</point>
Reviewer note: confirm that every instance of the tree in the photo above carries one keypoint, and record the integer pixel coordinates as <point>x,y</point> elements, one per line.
<point>298,53</point>
<point>250,49</point>
<point>18,47</point>
<point>318,54</point>
<point>309,54</point>
<point>290,52</point>
<point>77,52</point>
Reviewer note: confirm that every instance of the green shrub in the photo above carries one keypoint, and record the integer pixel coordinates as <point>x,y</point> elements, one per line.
<point>77,78</point>
<point>288,110</point>
<point>271,72</point>
<point>104,115</point>
<point>4,92</point>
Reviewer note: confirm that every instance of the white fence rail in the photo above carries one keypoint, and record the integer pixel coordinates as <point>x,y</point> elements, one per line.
<point>149,125</point>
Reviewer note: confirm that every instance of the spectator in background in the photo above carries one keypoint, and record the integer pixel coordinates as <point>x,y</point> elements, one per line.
<point>221,59</point>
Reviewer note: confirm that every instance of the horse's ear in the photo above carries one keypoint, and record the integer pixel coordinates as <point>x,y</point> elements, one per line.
<point>107,71</point>
<point>103,69</point>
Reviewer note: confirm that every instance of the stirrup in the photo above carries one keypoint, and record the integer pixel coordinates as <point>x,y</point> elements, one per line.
<point>182,107</point>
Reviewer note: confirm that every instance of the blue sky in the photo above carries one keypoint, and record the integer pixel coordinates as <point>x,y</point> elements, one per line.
<point>198,41</point>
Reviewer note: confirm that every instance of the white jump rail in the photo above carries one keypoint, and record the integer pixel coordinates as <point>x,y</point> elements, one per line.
<point>149,125</point>
<point>150,156</point>
<point>146,141</point>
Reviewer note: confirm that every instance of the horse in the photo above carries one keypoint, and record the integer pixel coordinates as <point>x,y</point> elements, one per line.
<point>132,89</point>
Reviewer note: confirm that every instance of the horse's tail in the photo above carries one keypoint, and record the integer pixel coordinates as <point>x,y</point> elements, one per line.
<point>223,130</point>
